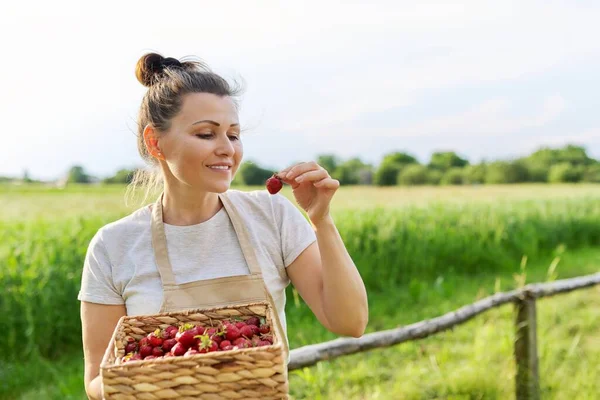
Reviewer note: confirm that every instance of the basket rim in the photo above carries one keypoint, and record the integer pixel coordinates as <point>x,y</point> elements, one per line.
<point>196,310</point>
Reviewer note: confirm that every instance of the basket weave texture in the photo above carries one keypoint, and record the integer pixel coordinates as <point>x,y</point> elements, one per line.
<point>252,373</point>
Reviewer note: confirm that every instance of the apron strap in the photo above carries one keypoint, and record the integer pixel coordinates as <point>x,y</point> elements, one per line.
<point>242,234</point>
<point>159,243</point>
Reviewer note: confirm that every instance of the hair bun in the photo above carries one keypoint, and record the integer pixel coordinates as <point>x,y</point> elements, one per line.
<point>170,62</point>
<point>150,67</point>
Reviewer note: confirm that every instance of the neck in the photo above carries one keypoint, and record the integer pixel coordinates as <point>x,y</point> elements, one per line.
<point>185,206</point>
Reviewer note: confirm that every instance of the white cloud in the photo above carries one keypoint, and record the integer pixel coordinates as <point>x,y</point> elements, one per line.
<point>491,118</point>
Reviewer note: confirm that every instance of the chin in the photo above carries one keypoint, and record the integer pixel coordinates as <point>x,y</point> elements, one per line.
<point>220,188</point>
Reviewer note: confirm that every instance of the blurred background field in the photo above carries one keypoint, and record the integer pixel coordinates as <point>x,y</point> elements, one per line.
<point>422,251</point>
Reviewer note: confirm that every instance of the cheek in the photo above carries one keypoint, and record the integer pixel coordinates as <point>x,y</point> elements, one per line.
<point>239,149</point>
<point>190,156</point>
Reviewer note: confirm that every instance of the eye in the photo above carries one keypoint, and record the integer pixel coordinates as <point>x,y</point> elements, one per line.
<point>234,137</point>
<point>204,135</point>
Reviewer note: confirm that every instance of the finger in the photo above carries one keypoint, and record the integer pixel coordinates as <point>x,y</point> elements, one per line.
<point>283,173</point>
<point>328,183</point>
<point>312,176</point>
<point>302,168</point>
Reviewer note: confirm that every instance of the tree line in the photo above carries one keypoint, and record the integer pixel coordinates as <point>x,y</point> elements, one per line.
<point>547,165</point>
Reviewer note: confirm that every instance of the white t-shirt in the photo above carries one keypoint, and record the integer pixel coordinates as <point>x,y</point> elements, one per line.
<point>120,267</point>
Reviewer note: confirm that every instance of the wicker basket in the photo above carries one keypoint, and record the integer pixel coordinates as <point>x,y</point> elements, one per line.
<point>251,373</point>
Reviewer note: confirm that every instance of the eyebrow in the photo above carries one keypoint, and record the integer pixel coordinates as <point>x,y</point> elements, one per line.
<point>208,121</point>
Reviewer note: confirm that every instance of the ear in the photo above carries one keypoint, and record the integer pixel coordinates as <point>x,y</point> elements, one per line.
<point>151,142</point>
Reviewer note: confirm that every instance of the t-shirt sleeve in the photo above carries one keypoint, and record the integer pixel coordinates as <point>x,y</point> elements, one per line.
<point>296,231</point>
<point>97,285</point>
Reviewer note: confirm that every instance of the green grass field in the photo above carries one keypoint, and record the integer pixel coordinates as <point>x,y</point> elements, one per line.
<point>421,251</point>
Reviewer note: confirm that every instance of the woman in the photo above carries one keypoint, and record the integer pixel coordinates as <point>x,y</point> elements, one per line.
<point>202,244</point>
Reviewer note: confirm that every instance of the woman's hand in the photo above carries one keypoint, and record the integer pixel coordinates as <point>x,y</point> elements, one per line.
<point>313,188</point>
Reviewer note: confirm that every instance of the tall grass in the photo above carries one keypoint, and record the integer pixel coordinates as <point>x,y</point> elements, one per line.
<point>40,274</point>
<point>395,246</point>
<point>41,261</point>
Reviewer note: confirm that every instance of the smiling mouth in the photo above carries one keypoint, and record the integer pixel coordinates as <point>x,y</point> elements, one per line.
<point>220,168</point>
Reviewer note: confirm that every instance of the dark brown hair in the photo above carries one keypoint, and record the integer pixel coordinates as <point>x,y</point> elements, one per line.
<point>168,80</point>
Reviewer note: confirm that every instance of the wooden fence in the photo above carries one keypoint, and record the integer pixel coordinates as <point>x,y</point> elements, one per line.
<point>525,350</point>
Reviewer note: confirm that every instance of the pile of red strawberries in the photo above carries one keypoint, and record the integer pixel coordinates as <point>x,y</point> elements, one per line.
<point>188,339</point>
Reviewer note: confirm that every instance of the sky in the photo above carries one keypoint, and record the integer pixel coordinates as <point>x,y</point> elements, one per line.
<point>488,79</point>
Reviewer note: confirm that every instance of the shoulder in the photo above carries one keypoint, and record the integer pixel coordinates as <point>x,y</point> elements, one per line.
<point>124,229</point>
<point>253,201</point>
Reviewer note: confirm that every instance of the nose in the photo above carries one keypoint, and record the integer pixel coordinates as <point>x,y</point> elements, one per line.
<point>224,146</point>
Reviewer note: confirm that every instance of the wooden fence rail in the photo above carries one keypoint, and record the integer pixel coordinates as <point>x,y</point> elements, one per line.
<point>525,351</point>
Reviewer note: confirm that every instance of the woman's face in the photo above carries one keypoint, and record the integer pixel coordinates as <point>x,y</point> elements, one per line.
<point>203,148</point>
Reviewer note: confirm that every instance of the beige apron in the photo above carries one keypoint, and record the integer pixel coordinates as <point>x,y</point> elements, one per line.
<point>211,292</point>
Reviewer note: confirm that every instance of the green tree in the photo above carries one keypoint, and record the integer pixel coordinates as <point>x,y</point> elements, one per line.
<point>444,160</point>
<point>540,162</point>
<point>565,172</point>
<point>413,174</point>
<point>592,173</point>
<point>351,172</point>
<point>474,173</point>
<point>329,162</point>
<point>26,178</point>
<point>253,175</point>
<point>434,177</point>
<point>387,173</point>
<point>77,175</point>
<point>454,176</point>
<point>124,176</point>
<point>505,172</point>
<point>575,155</point>
<point>537,171</point>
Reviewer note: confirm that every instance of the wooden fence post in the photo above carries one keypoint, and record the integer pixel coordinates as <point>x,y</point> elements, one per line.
<point>527,376</point>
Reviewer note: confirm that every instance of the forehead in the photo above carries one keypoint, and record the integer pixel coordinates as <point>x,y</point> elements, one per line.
<point>201,106</point>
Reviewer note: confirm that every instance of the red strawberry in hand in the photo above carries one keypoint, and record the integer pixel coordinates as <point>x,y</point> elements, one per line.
<point>274,184</point>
